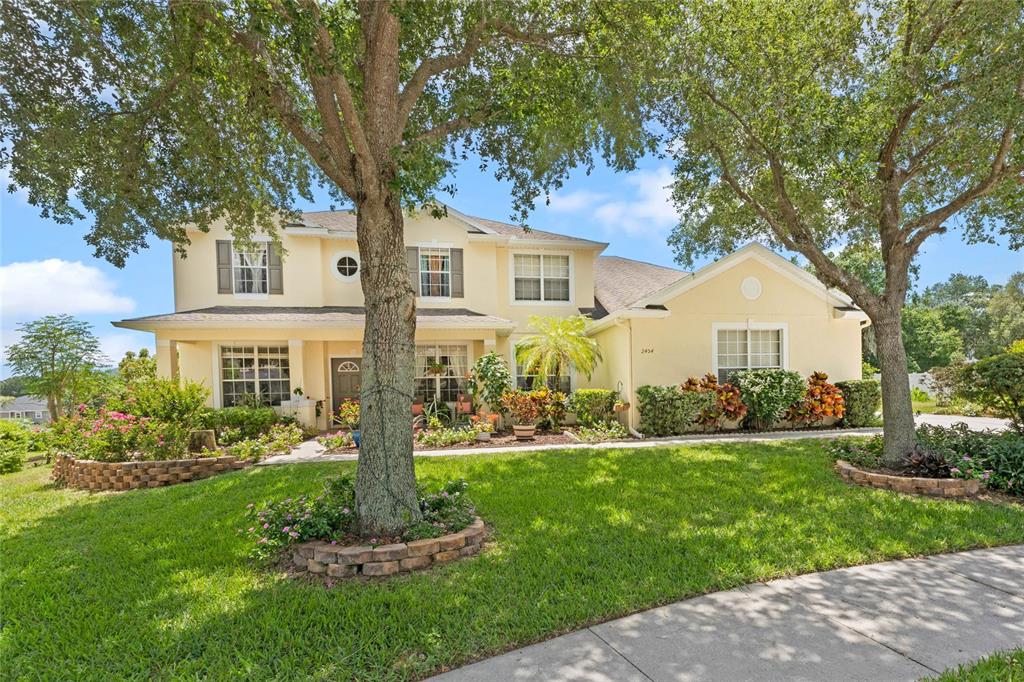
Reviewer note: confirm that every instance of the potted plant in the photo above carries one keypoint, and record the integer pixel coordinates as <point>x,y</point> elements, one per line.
<point>435,367</point>
<point>525,412</point>
<point>483,428</point>
<point>348,417</point>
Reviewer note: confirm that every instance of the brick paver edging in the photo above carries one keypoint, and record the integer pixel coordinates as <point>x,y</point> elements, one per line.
<point>939,487</point>
<point>92,475</point>
<point>319,557</point>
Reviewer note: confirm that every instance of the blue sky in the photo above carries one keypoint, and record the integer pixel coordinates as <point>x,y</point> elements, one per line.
<point>48,268</point>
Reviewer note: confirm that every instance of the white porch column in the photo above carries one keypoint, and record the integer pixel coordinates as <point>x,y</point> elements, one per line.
<point>296,370</point>
<point>167,358</point>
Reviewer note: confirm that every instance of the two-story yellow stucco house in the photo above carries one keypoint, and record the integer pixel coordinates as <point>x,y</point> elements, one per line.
<point>249,321</point>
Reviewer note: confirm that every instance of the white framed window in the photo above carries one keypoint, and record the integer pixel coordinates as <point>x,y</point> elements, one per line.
<point>441,371</point>
<point>435,270</point>
<point>254,374</point>
<point>345,266</point>
<point>251,270</point>
<point>754,345</point>
<point>39,415</point>
<point>525,380</point>
<point>542,277</point>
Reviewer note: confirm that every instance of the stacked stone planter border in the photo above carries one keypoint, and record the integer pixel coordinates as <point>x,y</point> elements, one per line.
<point>938,487</point>
<point>91,475</point>
<point>319,557</point>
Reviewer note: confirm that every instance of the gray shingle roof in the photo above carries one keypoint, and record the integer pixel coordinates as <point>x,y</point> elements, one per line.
<point>619,282</point>
<point>323,314</point>
<point>345,221</point>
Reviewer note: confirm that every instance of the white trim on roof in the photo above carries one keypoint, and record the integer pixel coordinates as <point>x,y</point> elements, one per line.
<point>229,322</point>
<point>763,255</point>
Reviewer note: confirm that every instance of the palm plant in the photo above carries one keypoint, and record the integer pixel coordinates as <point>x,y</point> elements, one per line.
<point>559,345</point>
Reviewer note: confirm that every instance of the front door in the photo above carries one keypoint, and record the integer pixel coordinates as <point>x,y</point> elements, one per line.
<point>344,380</point>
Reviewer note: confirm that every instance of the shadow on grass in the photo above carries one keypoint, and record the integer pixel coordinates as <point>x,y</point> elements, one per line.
<point>156,583</point>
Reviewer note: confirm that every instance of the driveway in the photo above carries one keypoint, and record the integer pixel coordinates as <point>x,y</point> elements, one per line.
<point>973,423</point>
<point>899,620</point>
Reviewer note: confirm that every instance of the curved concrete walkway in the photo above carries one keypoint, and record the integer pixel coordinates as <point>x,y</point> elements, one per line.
<point>311,451</point>
<point>899,620</point>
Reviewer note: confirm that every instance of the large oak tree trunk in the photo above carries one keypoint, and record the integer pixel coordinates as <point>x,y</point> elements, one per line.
<point>897,411</point>
<point>385,477</point>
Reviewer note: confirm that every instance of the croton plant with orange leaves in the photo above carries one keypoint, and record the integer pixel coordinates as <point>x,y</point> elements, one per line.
<point>821,400</point>
<point>728,407</point>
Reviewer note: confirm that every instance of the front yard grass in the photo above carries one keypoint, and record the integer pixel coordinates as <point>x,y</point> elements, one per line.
<point>156,583</point>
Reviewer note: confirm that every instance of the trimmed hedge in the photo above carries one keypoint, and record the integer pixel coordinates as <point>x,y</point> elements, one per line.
<point>862,398</point>
<point>592,406</point>
<point>669,411</point>
<point>252,422</point>
<point>769,393</point>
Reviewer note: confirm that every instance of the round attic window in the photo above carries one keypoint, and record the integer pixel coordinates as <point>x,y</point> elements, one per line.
<point>751,288</point>
<point>346,266</point>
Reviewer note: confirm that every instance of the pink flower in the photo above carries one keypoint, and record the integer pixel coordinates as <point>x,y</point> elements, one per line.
<point>286,529</point>
<point>251,529</point>
<point>265,526</point>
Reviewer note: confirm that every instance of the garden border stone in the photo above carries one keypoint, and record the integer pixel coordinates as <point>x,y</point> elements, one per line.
<point>937,487</point>
<point>87,474</point>
<point>322,558</point>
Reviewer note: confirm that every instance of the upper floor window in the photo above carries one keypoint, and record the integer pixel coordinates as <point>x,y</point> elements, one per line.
<point>436,272</point>
<point>251,270</point>
<point>739,349</point>
<point>541,277</point>
<point>346,265</point>
<point>254,270</point>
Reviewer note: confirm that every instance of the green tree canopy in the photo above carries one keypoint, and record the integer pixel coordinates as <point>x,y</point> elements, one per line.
<point>813,125</point>
<point>156,115</point>
<point>57,357</point>
<point>1006,311</point>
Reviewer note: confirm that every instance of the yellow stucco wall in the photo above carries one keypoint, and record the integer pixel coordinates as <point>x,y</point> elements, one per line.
<point>671,349</point>
<point>308,272</point>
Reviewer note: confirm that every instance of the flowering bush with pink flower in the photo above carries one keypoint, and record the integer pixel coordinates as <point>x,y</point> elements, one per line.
<point>113,436</point>
<point>331,516</point>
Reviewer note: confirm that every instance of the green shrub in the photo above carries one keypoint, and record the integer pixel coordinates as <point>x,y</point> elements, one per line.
<point>865,453</point>
<point>919,396</point>
<point>489,379</point>
<point>768,394</point>
<point>998,382</point>
<point>251,422</point>
<point>592,406</point>
<point>668,410</point>
<point>862,400</point>
<point>999,454</point>
<point>166,400</point>
<point>599,433</point>
<point>14,442</point>
<point>444,437</point>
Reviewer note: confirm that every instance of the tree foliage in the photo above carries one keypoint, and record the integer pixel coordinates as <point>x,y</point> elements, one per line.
<point>813,126</point>
<point>57,356</point>
<point>151,116</point>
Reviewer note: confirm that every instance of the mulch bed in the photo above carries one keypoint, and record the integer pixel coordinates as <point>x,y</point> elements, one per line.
<point>503,439</point>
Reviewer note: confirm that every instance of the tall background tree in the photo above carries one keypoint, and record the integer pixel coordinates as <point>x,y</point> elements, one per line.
<point>812,125</point>
<point>57,357</point>
<point>156,115</point>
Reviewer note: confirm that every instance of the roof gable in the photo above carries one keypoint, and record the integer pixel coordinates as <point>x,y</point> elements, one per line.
<point>619,282</point>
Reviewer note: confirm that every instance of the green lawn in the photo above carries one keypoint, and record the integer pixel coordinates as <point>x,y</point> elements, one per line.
<point>156,583</point>
<point>1007,666</point>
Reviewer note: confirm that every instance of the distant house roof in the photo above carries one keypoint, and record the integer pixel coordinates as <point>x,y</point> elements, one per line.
<point>619,282</point>
<point>25,403</point>
<point>282,316</point>
<point>345,221</point>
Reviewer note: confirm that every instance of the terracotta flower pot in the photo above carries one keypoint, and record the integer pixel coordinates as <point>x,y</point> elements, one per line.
<point>524,431</point>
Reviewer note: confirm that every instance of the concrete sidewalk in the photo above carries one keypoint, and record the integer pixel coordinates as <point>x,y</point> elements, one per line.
<point>899,620</point>
<point>311,451</point>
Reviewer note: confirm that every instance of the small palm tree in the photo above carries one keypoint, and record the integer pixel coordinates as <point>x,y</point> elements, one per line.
<point>559,345</point>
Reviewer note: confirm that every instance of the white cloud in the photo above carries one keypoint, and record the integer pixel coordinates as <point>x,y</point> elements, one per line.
<point>648,212</point>
<point>114,346</point>
<point>642,207</point>
<point>576,201</point>
<point>51,286</point>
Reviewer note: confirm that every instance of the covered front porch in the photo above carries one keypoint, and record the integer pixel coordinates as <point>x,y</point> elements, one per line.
<point>306,367</point>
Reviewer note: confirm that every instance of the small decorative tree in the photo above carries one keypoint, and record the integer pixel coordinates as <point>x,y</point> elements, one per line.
<point>558,346</point>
